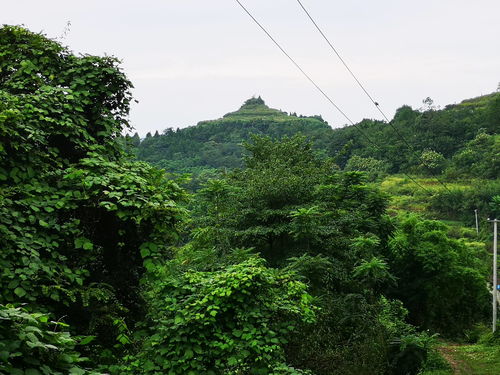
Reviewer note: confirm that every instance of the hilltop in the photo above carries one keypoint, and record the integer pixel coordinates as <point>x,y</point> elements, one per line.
<point>256,108</point>
<point>217,143</point>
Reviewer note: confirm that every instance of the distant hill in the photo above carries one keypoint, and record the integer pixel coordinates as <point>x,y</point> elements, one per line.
<point>217,143</point>
<point>412,137</point>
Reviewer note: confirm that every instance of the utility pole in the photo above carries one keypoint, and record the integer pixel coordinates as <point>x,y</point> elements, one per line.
<point>495,292</point>
<point>477,222</point>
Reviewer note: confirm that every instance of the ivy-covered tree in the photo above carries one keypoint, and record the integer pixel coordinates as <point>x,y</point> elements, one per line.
<point>79,222</point>
<point>233,320</point>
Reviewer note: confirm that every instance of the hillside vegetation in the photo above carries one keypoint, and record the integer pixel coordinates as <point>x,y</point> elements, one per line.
<point>218,143</point>
<point>294,258</point>
<point>459,140</point>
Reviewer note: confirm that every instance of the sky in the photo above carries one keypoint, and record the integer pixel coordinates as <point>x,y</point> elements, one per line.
<point>194,60</point>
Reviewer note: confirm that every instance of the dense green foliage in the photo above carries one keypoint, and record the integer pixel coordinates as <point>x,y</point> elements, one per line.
<point>282,264</point>
<point>291,202</point>
<point>459,203</point>
<point>374,169</point>
<point>440,279</point>
<point>479,158</point>
<point>231,321</point>
<point>30,344</point>
<point>443,131</point>
<point>75,214</point>
<point>299,212</point>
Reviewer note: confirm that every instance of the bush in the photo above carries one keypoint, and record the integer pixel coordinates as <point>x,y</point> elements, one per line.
<point>409,353</point>
<point>347,338</point>
<point>233,321</point>
<point>30,344</point>
<point>479,158</point>
<point>490,338</point>
<point>474,334</point>
<point>459,204</point>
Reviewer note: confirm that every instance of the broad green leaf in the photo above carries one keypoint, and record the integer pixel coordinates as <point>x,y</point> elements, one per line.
<point>20,292</point>
<point>87,340</point>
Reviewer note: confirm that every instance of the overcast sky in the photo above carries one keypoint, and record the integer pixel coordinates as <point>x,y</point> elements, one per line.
<point>193,60</point>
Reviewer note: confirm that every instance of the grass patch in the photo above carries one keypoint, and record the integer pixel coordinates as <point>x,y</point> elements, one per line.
<point>480,359</point>
<point>469,360</point>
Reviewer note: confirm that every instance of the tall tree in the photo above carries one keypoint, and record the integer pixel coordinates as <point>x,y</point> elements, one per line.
<point>299,212</point>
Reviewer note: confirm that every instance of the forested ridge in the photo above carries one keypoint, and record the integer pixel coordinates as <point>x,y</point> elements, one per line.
<point>427,139</point>
<point>293,249</point>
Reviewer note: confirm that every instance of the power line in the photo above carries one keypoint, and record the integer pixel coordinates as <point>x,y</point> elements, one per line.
<point>294,62</point>
<point>375,103</point>
<point>319,88</point>
<point>341,59</point>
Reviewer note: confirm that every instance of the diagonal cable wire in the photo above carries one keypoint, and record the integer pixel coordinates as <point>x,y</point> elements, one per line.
<point>376,104</point>
<point>294,62</point>
<point>319,88</point>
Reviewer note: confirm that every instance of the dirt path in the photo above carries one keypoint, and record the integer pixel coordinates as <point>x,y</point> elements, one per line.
<point>459,366</point>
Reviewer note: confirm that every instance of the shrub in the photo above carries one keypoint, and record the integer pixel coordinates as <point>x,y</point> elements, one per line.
<point>409,353</point>
<point>30,344</point>
<point>233,321</point>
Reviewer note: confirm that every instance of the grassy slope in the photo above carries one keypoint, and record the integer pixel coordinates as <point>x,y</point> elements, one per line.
<point>406,196</point>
